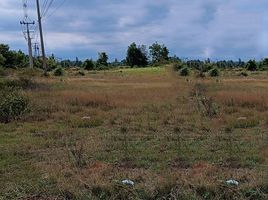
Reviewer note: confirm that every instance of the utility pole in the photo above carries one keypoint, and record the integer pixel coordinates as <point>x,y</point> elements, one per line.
<point>29,39</point>
<point>41,37</point>
<point>36,50</point>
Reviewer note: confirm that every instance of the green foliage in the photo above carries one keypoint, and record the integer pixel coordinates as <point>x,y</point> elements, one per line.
<point>207,67</point>
<point>252,65</point>
<point>102,59</point>
<point>2,60</point>
<point>23,82</point>
<point>2,72</point>
<point>264,64</point>
<point>159,53</point>
<point>51,62</point>
<point>214,72</point>
<point>89,64</point>
<point>136,56</point>
<point>12,59</point>
<point>177,66</point>
<point>185,71</point>
<point>59,71</point>
<point>12,105</point>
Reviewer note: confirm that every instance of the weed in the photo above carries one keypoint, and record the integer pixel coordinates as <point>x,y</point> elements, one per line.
<point>185,71</point>
<point>12,105</point>
<point>244,123</point>
<point>76,153</point>
<point>214,72</point>
<point>208,107</point>
<point>59,71</point>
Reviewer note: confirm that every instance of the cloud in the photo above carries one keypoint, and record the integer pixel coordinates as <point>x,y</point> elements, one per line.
<point>194,29</point>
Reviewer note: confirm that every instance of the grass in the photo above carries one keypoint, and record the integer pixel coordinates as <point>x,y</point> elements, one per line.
<point>84,135</point>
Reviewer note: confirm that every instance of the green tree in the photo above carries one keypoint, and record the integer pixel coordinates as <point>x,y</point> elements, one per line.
<point>51,62</point>
<point>89,64</point>
<point>12,58</point>
<point>252,65</point>
<point>78,63</point>
<point>158,53</point>
<point>136,55</point>
<point>102,59</point>
<point>264,64</point>
<point>2,60</point>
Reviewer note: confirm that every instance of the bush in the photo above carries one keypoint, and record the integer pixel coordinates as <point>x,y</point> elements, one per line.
<point>214,72</point>
<point>244,74</point>
<point>177,66</point>
<point>21,83</point>
<point>252,65</point>
<point>12,105</point>
<point>89,65</point>
<point>81,73</point>
<point>185,71</point>
<point>59,71</point>
<point>2,72</point>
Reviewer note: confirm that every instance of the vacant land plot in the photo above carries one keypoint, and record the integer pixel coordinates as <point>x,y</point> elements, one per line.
<point>174,137</point>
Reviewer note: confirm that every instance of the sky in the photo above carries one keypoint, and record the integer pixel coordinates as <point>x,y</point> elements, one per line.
<point>191,29</point>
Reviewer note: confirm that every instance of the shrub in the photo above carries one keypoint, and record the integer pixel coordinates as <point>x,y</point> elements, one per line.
<point>59,71</point>
<point>2,72</point>
<point>185,71</point>
<point>12,105</point>
<point>177,66</point>
<point>21,82</point>
<point>208,107</point>
<point>89,65</point>
<point>244,74</point>
<point>252,65</point>
<point>81,73</point>
<point>214,72</point>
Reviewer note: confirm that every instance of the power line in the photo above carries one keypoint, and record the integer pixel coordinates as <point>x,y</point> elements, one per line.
<point>53,12</point>
<point>44,7</point>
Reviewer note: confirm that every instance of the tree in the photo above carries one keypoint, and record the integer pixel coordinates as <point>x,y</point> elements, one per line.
<point>12,58</point>
<point>136,55</point>
<point>158,52</point>
<point>2,60</point>
<point>103,59</point>
<point>78,63</point>
<point>51,62</point>
<point>265,61</point>
<point>89,64</point>
<point>252,65</point>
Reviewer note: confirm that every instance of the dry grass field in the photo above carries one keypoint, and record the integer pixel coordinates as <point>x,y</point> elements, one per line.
<point>175,137</point>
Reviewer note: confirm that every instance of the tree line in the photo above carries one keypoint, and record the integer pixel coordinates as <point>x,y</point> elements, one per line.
<point>136,56</point>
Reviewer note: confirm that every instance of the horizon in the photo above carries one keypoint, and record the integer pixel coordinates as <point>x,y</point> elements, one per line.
<point>219,30</point>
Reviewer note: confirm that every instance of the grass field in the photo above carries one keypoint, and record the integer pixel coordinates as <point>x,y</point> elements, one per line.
<point>175,137</point>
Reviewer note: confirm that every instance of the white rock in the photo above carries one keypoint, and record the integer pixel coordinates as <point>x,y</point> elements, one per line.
<point>86,118</point>
<point>241,118</point>
<point>128,182</point>
<point>232,182</point>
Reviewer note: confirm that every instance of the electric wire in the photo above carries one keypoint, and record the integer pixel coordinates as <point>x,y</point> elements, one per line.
<point>58,7</point>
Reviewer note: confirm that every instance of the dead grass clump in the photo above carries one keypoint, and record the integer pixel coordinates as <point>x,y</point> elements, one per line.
<point>243,99</point>
<point>205,105</point>
<point>86,123</point>
<point>88,100</point>
<point>243,122</point>
<point>76,153</point>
